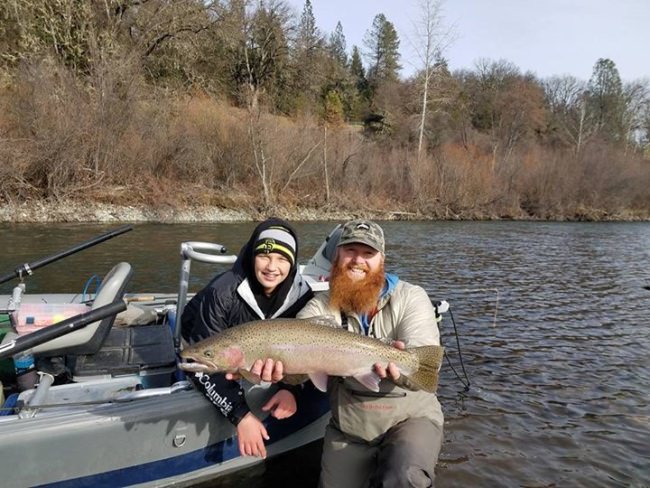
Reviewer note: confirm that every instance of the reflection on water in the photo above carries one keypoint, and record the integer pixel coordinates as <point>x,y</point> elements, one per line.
<point>560,385</point>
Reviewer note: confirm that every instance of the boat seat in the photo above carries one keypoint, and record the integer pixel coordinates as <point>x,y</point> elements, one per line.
<point>146,351</point>
<point>89,339</point>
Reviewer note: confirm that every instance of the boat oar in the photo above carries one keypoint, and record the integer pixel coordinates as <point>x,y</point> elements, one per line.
<point>26,268</point>
<point>66,326</point>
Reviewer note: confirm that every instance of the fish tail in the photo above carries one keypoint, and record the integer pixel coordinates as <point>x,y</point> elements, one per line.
<point>430,360</point>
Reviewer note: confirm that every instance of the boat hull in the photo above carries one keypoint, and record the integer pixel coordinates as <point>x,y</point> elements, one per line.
<point>175,439</point>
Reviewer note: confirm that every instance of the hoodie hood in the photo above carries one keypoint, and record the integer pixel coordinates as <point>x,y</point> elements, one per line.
<point>245,267</point>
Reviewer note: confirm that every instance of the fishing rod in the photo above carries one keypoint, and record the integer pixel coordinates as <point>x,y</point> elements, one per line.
<point>36,338</point>
<point>28,268</point>
<point>441,307</point>
<point>466,383</point>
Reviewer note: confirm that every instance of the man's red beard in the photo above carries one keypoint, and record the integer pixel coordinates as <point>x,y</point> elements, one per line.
<point>356,296</point>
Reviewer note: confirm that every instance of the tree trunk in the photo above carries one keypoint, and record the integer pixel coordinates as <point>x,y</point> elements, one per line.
<point>327,181</point>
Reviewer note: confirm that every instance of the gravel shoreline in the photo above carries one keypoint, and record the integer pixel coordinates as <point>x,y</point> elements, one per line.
<point>86,212</point>
<point>73,212</point>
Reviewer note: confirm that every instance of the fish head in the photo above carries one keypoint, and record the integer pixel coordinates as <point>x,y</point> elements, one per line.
<point>206,358</point>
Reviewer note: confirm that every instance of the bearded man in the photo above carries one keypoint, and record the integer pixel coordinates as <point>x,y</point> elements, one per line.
<point>391,438</point>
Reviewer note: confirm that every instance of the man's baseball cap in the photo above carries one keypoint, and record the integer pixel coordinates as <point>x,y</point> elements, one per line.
<point>363,232</point>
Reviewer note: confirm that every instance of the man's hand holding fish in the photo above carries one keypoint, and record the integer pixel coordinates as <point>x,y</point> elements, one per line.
<point>268,370</point>
<point>391,370</point>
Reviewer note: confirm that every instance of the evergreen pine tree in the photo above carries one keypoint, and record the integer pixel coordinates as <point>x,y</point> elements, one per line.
<point>606,99</point>
<point>337,45</point>
<point>382,43</point>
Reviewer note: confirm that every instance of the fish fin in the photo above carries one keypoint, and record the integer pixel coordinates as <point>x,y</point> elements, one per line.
<point>319,380</point>
<point>430,359</point>
<point>250,377</point>
<point>369,379</point>
<point>327,320</point>
<point>295,379</point>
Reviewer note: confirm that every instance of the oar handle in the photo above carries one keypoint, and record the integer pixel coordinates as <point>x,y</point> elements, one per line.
<point>64,327</point>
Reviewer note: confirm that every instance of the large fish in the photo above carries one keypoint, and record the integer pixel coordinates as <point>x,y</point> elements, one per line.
<point>311,347</point>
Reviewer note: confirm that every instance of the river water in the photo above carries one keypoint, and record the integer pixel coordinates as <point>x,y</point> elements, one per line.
<point>553,324</point>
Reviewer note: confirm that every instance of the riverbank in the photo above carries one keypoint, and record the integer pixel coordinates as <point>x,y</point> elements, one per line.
<point>74,211</point>
<point>78,211</point>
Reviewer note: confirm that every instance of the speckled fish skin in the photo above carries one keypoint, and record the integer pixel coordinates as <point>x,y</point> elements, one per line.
<point>310,347</point>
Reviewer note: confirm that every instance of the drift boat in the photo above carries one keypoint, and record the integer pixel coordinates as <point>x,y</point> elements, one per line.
<point>106,404</point>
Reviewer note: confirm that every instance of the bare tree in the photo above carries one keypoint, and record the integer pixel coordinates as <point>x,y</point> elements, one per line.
<point>571,118</point>
<point>637,105</point>
<point>505,104</point>
<point>258,47</point>
<point>433,38</point>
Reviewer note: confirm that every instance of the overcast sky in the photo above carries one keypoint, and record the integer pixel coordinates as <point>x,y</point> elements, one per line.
<point>547,37</point>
